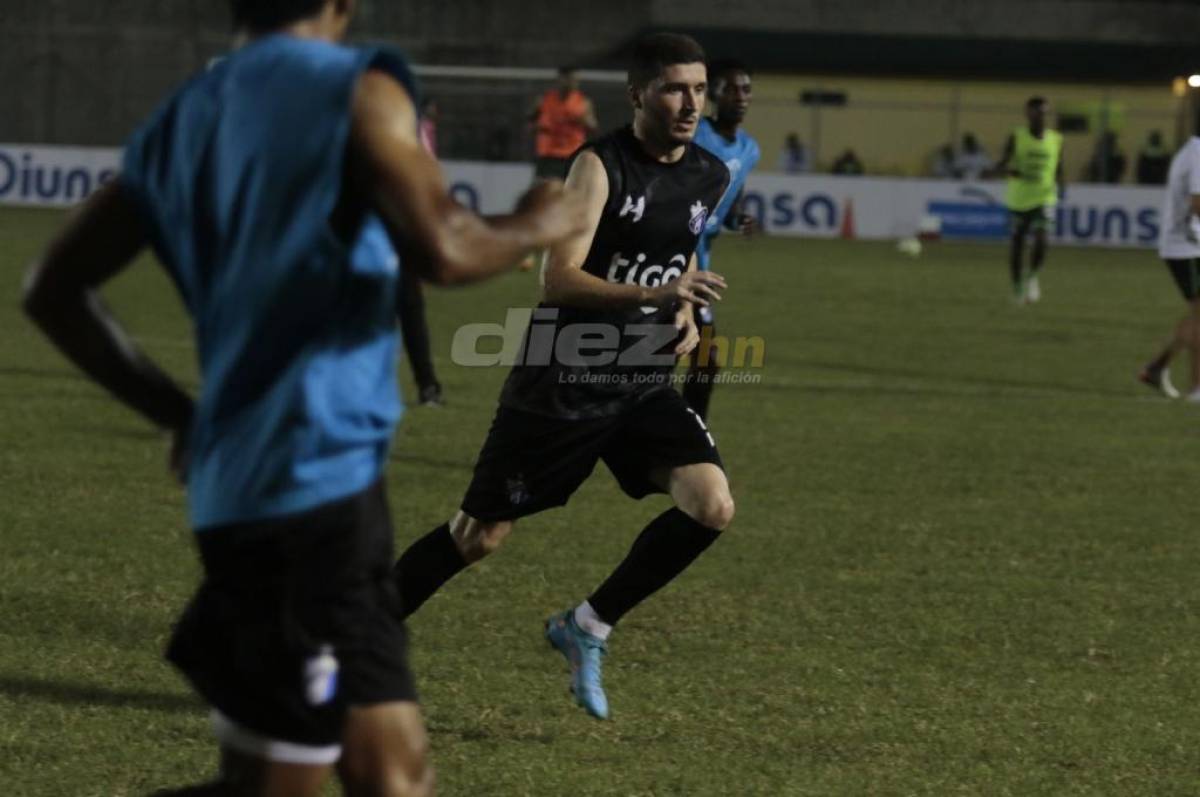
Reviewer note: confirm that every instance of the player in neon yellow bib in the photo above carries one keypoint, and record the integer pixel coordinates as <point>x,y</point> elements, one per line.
<point>1032,161</point>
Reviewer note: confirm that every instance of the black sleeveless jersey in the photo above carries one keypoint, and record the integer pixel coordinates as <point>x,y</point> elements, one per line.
<point>589,363</point>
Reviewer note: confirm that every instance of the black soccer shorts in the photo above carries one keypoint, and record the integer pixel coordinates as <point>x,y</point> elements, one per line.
<point>1039,219</point>
<point>534,462</point>
<point>297,620</point>
<point>1186,274</point>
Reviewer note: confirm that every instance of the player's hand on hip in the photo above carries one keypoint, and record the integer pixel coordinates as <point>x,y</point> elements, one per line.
<point>698,287</point>
<point>689,335</point>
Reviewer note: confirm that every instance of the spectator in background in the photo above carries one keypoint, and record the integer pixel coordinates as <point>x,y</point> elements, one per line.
<point>943,162</point>
<point>1153,161</point>
<point>848,164</point>
<point>1108,162</point>
<point>563,118</point>
<point>971,162</point>
<point>794,159</point>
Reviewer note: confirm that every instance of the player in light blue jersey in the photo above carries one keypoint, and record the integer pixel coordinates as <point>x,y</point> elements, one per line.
<point>730,89</point>
<point>273,187</point>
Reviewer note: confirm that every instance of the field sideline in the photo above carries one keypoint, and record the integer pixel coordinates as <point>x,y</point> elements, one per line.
<point>964,560</point>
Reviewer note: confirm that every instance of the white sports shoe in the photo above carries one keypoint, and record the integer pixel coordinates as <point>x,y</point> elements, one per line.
<point>1194,396</point>
<point>1160,380</point>
<point>1033,291</point>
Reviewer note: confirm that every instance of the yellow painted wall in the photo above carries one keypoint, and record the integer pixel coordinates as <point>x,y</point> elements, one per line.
<point>895,125</point>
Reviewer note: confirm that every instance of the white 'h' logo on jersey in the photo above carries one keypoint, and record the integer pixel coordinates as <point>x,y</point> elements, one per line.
<point>637,208</point>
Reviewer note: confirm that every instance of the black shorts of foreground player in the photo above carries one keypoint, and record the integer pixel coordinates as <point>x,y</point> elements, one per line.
<point>648,190</point>
<point>282,248</point>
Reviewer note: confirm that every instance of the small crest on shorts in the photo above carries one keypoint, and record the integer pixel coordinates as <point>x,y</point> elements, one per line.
<point>321,677</point>
<point>517,492</point>
<point>699,216</point>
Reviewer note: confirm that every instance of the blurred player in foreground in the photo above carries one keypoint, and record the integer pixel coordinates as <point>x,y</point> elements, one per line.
<point>1179,246</point>
<point>1032,161</point>
<point>257,184</point>
<point>731,89</point>
<point>629,277</point>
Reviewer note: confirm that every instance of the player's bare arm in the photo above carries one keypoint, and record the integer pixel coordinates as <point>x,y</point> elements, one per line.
<point>1001,168</point>
<point>445,242</point>
<point>739,220</point>
<point>567,284</point>
<point>61,296</point>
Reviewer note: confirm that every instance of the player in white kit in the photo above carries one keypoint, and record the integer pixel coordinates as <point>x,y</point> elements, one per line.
<point>1179,246</point>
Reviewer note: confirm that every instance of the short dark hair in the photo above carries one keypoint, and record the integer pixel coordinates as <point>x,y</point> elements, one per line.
<point>1033,102</point>
<point>723,67</point>
<point>653,53</point>
<point>270,14</point>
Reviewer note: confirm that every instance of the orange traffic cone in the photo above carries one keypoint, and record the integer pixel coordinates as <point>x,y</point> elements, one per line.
<point>847,232</point>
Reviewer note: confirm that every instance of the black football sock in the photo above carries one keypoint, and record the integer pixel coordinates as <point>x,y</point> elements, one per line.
<point>414,331</point>
<point>661,552</point>
<point>1015,253</point>
<point>425,566</point>
<point>1160,362</point>
<point>1038,256</point>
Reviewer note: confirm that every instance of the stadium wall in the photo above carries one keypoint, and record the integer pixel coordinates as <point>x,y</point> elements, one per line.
<point>895,125</point>
<point>1117,21</point>
<point>788,205</point>
<point>82,72</point>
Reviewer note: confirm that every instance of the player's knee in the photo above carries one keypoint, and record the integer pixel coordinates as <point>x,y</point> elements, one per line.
<point>477,538</point>
<point>491,536</point>
<point>403,770</point>
<point>715,511</point>
<point>414,780</point>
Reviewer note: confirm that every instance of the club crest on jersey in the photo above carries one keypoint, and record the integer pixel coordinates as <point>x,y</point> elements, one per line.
<point>518,493</point>
<point>636,208</point>
<point>699,216</point>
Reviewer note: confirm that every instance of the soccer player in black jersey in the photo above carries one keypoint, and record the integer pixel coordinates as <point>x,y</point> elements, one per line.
<point>625,291</point>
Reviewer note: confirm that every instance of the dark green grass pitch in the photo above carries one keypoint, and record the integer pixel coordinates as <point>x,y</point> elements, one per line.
<point>964,561</point>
